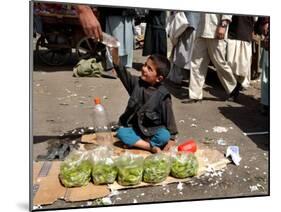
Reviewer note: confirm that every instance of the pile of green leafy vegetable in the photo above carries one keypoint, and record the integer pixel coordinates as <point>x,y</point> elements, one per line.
<point>104,173</point>
<point>75,173</point>
<point>184,165</point>
<point>130,169</point>
<point>156,168</point>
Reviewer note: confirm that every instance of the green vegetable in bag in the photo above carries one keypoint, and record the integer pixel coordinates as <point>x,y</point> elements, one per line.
<point>130,169</point>
<point>156,168</point>
<point>104,168</point>
<point>76,170</point>
<point>104,173</point>
<point>184,165</point>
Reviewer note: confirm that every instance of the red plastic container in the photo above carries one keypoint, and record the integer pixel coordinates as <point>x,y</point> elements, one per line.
<point>188,146</point>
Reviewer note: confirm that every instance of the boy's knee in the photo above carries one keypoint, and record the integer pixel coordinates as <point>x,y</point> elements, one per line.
<point>161,137</point>
<point>127,136</point>
<point>121,132</point>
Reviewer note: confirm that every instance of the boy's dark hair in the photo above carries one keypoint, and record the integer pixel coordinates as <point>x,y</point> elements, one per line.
<point>162,64</point>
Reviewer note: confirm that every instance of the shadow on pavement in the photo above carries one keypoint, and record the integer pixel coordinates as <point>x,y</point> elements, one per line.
<point>245,113</point>
<point>180,91</point>
<point>39,65</point>
<point>43,138</point>
<point>249,119</point>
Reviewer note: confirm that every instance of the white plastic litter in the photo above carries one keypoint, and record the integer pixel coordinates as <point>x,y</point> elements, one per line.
<point>254,188</point>
<point>179,186</point>
<point>37,207</point>
<point>233,152</point>
<point>89,203</point>
<point>106,201</point>
<point>221,142</point>
<point>219,129</point>
<point>114,193</point>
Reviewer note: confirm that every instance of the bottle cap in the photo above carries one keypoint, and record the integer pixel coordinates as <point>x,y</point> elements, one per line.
<point>97,100</point>
<point>188,146</point>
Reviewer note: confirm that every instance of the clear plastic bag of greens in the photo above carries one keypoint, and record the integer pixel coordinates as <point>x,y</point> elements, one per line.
<point>130,169</point>
<point>156,168</point>
<point>75,170</point>
<point>184,165</point>
<point>104,168</point>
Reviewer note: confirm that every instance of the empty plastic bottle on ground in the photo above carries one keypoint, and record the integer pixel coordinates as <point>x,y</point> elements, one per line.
<point>101,124</point>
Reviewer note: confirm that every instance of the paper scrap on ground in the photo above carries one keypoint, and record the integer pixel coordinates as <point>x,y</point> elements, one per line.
<point>233,152</point>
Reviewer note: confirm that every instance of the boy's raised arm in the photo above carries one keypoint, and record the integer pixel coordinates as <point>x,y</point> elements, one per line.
<point>126,78</point>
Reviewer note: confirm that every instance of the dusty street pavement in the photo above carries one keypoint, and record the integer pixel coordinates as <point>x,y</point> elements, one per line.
<point>62,103</point>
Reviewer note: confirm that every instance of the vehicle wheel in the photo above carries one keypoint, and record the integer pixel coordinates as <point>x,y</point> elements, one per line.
<point>88,48</point>
<point>53,49</point>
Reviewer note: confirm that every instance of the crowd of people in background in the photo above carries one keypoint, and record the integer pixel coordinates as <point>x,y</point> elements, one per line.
<point>236,45</point>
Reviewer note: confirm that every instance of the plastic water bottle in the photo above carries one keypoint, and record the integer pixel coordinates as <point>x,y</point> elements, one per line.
<point>101,124</point>
<point>110,41</point>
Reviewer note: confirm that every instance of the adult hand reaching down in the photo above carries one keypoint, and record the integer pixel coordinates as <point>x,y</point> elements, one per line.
<point>89,22</point>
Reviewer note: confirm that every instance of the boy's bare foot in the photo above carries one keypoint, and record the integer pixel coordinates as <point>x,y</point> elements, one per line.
<point>169,145</point>
<point>155,149</point>
<point>126,146</point>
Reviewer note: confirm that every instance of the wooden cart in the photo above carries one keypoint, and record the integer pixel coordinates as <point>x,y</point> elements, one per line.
<point>62,35</point>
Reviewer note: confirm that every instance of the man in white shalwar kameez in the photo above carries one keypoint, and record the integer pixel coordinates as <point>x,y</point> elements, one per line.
<point>210,45</point>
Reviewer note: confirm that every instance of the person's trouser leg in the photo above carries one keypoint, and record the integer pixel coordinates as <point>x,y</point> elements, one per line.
<point>239,58</point>
<point>161,138</point>
<point>199,67</point>
<point>127,135</point>
<point>217,53</point>
<point>265,77</point>
<point>246,63</point>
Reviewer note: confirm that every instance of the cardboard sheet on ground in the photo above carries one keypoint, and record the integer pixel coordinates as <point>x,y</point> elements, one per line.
<point>207,158</point>
<point>47,187</point>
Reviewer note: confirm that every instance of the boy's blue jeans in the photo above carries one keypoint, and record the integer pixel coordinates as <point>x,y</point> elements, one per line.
<point>129,137</point>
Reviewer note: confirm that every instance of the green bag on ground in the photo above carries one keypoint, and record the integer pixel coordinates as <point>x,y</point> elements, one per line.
<point>156,168</point>
<point>75,170</point>
<point>104,169</point>
<point>130,169</point>
<point>184,165</point>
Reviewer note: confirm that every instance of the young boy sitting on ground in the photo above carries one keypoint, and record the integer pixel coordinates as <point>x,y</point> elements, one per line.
<point>148,121</point>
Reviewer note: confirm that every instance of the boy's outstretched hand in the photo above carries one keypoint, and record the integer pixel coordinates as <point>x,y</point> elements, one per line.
<point>115,56</point>
<point>169,145</point>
